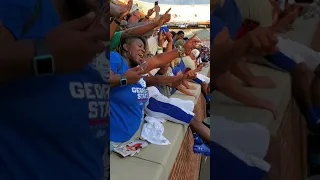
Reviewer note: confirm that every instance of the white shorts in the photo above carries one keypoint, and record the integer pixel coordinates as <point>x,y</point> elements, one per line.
<point>248,141</point>
<point>299,52</point>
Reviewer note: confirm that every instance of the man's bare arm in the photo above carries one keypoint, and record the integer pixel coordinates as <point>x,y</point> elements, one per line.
<point>139,30</point>
<point>225,55</point>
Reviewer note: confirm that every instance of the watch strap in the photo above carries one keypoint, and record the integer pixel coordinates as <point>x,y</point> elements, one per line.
<point>40,47</point>
<point>123,78</point>
<point>41,53</point>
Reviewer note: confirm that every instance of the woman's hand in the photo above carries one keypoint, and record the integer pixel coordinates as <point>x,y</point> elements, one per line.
<point>126,11</point>
<point>169,37</point>
<point>133,75</point>
<point>190,75</point>
<point>150,12</point>
<point>157,8</point>
<point>191,43</point>
<point>260,41</point>
<point>161,38</point>
<point>80,44</point>
<point>164,18</point>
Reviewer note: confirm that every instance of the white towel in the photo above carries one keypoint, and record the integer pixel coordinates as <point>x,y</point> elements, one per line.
<point>248,141</point>
<point>299,52</point>
<point>153,130</point>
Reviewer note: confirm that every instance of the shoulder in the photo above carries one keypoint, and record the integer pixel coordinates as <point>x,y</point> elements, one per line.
<point>115,61</point>
<point>14,13</point>
<point>218,27</point>
<point>117,36</point>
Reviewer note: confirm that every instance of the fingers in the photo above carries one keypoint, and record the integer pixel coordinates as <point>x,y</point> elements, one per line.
<point>137,69</point>
<point>193,37</point>
<point>83,22</point>
<point>168,11</point>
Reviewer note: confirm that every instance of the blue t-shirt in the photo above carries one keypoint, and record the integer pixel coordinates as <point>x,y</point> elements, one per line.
<point>230,14</point>
<point>216,28</point>
<point>126,103</point>
<point>51,127</point>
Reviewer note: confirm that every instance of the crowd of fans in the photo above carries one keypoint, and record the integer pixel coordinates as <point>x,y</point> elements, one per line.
<point>287,55</point>
<point>148,63</point>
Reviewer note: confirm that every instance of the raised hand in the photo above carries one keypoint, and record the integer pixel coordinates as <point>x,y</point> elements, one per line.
<point>133,75</point>
<point>73,45</point>
<point>191,43</point>
<point>164,18</point>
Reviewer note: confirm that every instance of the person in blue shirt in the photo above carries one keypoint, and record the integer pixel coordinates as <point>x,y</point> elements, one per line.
<point>53,125</point>
<point>129,92</point>
<point>229,13</point>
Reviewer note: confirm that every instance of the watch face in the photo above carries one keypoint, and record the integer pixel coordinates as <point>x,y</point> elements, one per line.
<point>45,66</point>
<point>123,82</point>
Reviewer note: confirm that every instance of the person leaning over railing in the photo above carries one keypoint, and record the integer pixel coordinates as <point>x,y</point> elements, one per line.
<point>135,31</point>
<point>127,81</point>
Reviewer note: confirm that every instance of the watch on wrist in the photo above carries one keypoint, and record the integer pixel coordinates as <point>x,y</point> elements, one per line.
<point>147,17</point>
<point>117,22</point>
<point>123,81</point>
<point>43,61</point>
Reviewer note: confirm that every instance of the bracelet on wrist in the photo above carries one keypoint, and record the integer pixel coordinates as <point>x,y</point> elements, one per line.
<point>117,22</point>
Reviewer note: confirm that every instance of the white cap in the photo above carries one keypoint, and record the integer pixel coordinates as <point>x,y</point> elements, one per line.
<point>195,53</point>
<point>134,8</point>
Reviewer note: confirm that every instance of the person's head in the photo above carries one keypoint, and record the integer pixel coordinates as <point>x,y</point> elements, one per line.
<point>134,49</point>
<point>179,35</point>
<point>134,14</point>
<point>173,34</point>
<point>194,54</point>
<point>78,8</point>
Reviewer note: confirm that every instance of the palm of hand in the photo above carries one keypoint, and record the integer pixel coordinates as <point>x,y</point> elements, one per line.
<point>157,8</point>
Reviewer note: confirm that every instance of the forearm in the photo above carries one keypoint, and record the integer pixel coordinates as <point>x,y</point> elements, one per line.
<point>186,84</point>
<point>169,46</point>
<point>161,80</point>
<point>16,60</point>
<point>115,80</point>
<point>113,28</point>
<point>157,16</point>
<point>139,30</point>
<point>161,59</point>
<point>198,127</point>
<point>184,90</point>
<point>225,55</point>
<point>238,93</point>
<point>315,43</point>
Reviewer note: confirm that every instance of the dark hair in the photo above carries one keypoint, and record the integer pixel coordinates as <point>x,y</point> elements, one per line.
<point>129,39</point>
<point>180,32</point>
<point>173,33</point>
<point>185,38</point>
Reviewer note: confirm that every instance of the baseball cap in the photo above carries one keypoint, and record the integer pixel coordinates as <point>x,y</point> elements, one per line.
<point>134,8</point>
<point>195,52</point>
